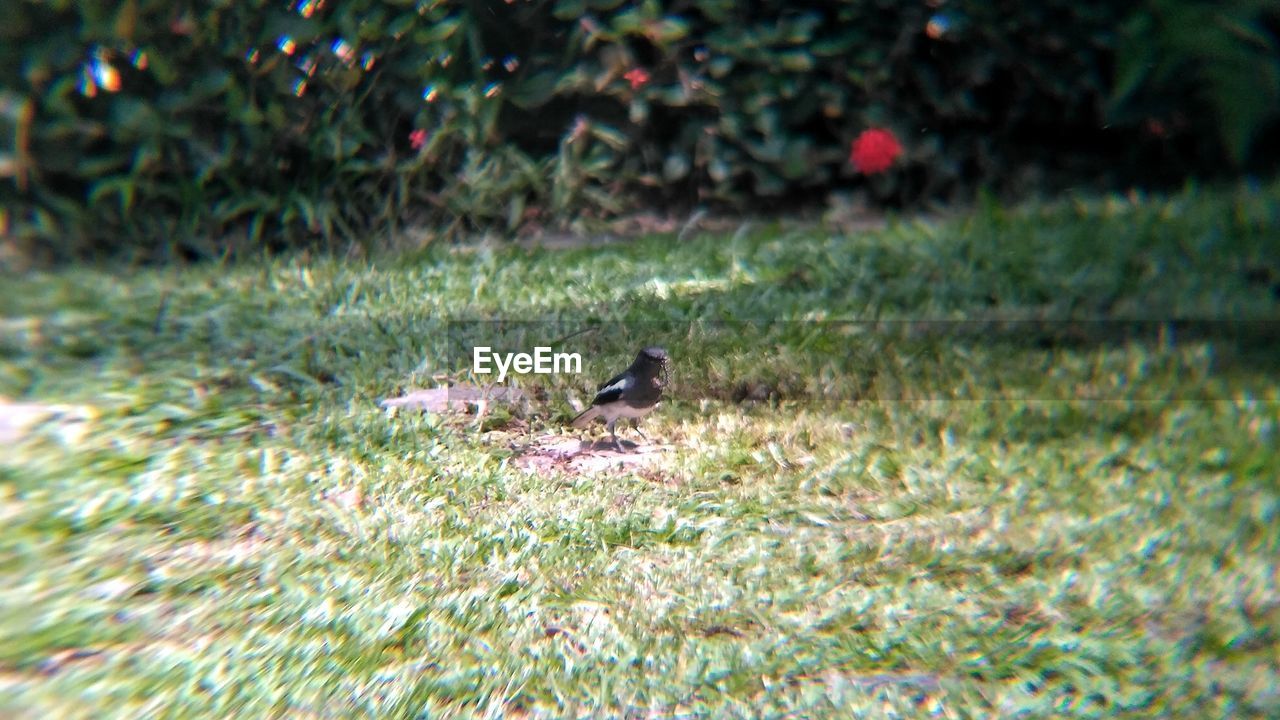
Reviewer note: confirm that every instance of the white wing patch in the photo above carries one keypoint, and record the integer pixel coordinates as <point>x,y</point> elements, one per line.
<point>621,386</point>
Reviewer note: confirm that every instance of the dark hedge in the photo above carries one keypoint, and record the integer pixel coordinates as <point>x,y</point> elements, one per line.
<point>206,126</point>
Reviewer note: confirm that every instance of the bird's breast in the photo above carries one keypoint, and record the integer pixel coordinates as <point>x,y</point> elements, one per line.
<point>622,410</point>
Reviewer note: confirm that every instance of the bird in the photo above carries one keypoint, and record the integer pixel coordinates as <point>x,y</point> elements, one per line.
<point>633,393</point>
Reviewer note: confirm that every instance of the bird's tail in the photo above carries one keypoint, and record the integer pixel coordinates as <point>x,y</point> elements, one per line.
<point>586,416</point>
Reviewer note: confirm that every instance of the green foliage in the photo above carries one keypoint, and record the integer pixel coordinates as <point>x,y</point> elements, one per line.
<point>1223,56</point>
<point>205,127</point>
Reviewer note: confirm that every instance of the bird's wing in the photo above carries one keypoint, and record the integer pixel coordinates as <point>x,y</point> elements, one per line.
<point>612,390</point>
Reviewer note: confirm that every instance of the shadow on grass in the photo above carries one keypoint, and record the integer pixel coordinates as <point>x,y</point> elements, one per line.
<point>777,360</point>
<point>1169,300</point>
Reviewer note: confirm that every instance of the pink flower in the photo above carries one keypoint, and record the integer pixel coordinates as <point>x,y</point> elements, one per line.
<point>637,77</point>
<point>874,151</point>
<point>418,138</point>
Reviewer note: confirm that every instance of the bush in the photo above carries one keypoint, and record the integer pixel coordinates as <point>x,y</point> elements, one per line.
<point>210,126</point>
<point>1209,70</point>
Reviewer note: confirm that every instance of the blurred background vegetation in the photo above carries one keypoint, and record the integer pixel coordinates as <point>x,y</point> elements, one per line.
<point>163,129</point>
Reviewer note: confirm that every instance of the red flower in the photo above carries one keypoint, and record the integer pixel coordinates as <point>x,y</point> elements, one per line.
<point>637,77</point>
<point>874,151</point>
<point>418,138</point>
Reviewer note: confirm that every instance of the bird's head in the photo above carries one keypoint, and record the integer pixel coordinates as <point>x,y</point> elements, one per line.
<point>655,355</point>
<point>656,358</point>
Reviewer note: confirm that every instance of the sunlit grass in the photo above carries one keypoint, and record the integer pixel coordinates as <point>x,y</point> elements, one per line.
<point>921,518</point>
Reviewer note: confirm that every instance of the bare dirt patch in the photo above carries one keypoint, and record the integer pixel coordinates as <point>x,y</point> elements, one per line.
<point>560,453</point>
<point>543,454</point>
<point>456,399</point>
<point>19,419</point>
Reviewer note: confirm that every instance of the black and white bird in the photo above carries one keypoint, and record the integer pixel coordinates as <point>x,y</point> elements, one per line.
<point>632,393</point>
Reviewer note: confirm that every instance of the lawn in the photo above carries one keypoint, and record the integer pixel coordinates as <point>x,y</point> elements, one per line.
<point>1021,462</point>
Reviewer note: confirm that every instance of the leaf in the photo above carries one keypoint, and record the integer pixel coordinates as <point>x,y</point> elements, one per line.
<point>569,9</point>
<point>718,170</point>
<point>676,167</point>
<point>161,66</point>
<point>638,112</point>
<point>515,211</point>
<point>127,20</point>
<point>1244,98</point>
<point>796,61</point>
<point>609,136</point>
<point>100,165</point>
<point>669,30</point>
<point>122,186</point>
<point>797,160</point>
<point>534,90</point>
<point>442,30</point>
<point>403,23</point>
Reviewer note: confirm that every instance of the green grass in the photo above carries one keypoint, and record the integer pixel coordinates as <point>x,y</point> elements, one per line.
<point>955,495</point>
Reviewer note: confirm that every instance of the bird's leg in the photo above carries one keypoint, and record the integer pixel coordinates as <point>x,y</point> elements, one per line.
<point>613,434</point>
<point>635,425</point>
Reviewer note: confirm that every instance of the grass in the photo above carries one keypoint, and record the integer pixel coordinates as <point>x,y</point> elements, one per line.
<point>1018,464</point>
